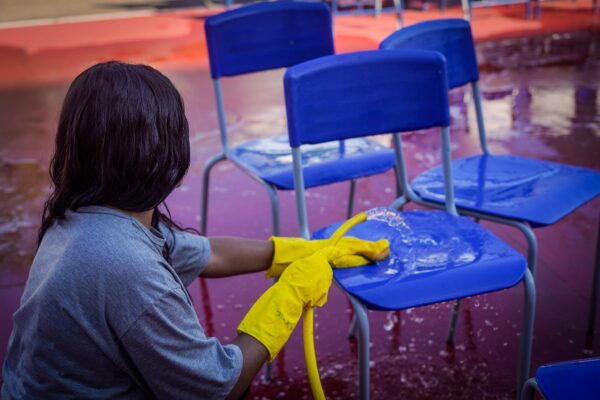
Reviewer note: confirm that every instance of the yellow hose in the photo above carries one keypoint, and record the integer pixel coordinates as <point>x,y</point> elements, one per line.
<point>346,226</point>
<point>310,356</point>
<point>309,342</point>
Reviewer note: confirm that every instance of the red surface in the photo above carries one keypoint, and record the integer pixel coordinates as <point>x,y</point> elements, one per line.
<point>548,112</point>
<point>56,53</point>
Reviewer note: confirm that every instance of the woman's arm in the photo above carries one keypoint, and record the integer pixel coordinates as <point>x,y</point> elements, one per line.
<point>255,354</point>
<point>233,256</point>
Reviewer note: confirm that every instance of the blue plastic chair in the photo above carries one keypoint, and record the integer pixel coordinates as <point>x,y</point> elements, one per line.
<point>517,191</point>
<point>265,36</point>
<point>435,256</point>
<point>578,379</point>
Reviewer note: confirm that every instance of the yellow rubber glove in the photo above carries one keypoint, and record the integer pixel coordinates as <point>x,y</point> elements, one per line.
<point>304,283</point>
<point>288,250</point>
<point>357,252</point>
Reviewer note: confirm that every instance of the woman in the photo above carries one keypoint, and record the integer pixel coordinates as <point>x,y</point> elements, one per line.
<point>105,312</point>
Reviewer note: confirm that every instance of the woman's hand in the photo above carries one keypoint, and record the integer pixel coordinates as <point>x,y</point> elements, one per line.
<point>354,252</point>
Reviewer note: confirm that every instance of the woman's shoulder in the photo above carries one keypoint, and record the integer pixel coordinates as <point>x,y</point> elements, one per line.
<point>98,240</point>
<point>99,261</point>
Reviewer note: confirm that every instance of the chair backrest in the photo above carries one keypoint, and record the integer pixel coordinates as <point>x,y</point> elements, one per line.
<point>365,93</point>
<point>361,94</point>
<point>451,37</point>
<point>266,36</point>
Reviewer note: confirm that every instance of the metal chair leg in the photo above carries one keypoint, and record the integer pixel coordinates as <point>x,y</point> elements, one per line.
<point>363,347</point>
<point>272,192</point>
<point>529,389</point>
<point>399,203</point>
<point>532,247</point>
<point>399,192</point>
<point>453,320</point>
<point>595,288</point>
<point>466,6</point>
<point>352,331</point>
<point>351,198</point>
<point>399,7</point>
<point>205,188</point>
<point>526,331</point>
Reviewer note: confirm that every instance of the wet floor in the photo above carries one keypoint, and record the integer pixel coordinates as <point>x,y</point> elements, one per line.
<point>541,101</point>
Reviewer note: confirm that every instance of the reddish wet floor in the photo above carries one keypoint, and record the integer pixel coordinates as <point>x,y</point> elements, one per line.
<point>541,101</point>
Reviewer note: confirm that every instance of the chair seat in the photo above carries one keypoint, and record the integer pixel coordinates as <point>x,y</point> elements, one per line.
<point>570,380</point>
<point>271,160</point>
<point>434,257</point>
<point>536,191</point>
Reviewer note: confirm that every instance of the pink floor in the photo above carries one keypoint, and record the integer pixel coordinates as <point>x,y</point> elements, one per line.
<point>533,107</point>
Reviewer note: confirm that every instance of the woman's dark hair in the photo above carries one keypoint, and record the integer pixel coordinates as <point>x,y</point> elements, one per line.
<point>122,141</point>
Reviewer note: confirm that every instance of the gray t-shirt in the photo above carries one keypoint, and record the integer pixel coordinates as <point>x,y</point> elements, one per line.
<point>105,316</point>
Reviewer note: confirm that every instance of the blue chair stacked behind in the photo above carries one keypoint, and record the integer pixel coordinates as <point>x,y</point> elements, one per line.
<point>565,381</point>
<point>517,191</point>
<point>405,91</point>
<point>266,36</point>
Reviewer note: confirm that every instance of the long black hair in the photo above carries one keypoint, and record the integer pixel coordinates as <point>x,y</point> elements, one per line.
<point>122,141</point>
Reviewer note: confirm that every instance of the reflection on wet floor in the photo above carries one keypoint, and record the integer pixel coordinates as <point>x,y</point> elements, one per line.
<point>533,107</point>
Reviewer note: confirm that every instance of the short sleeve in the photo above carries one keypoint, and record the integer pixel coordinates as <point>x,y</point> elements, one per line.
<point>175,358</point>
<point>189,253</point>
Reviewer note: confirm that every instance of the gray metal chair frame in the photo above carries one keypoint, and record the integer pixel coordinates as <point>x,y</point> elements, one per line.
<point>361,322</point>
<point>530,389</point>
<point>398,7</point>
<point>468,5</point>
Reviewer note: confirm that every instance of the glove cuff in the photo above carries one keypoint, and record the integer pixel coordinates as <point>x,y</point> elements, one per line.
<point>273,317</point>
<point>289,249</point>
